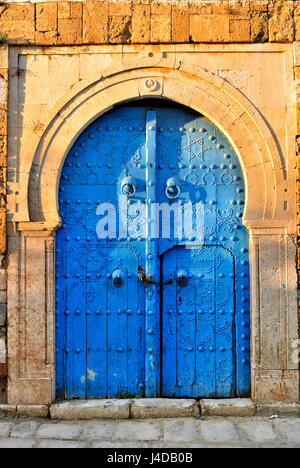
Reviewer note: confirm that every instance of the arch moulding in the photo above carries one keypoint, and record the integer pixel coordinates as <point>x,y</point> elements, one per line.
<point>198,89</point>
<point>269,220</point>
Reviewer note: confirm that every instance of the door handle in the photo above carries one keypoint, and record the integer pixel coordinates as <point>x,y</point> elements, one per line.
<point>128,186</point>
<point>172,188</point>
<point>118,278</point>
<point>182,278</point>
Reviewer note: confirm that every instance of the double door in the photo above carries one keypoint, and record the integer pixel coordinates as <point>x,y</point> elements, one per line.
<point>152,280</point>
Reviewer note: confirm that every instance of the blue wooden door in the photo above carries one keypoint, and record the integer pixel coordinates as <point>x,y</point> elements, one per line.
<point>198,356</point>
<point>145,309</point>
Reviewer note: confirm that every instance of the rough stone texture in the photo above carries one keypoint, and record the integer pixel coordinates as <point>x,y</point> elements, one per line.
<point>254,432</point>
<point>209,28</point>
<point>258,431</point>
<point>180,22</point>
<point>2,315</point>
<point>5,428</point>
<point>259,21</point>
<point>97,430</point>
<point>17,443</point>
<point>160,22</point>
<point>163,408</point>
<point>95,22</point>
<point>230,407</point>
<point>142,21</point>
<point>138,431</point>
<point>25,430</point>
<point>119,29</point>
<point>59,431</point>
<point>281,25</point>
<point>62,444</point>
<point>219,431</point>
<point>9,410</point>
<point>3,159</point>
<point>289,429</point>
<point>17,23</point>
<point>91,409</point>
<point>281,409</point>
<point>33,411</point>
<point>176,431</point>
<point>46,17</point>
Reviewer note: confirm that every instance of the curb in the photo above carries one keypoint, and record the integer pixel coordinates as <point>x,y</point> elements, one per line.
<point>150,408</point>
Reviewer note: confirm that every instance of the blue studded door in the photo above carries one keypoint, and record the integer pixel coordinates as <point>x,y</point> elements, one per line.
<point>152,268</point>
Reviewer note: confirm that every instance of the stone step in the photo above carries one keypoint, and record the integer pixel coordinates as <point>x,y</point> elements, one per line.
<point>227,407</point>
<point>147,408</point>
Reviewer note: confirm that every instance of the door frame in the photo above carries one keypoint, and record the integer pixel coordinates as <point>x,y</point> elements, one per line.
<point>31,241</point>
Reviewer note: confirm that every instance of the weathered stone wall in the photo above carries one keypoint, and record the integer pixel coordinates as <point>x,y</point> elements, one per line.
<point>3,165</point>
<point>146,21</point>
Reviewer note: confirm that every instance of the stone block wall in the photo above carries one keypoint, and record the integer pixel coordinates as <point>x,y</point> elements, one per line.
<point>3,165</point>
<point>146,21</point>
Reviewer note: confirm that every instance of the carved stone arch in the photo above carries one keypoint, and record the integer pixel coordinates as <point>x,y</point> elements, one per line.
<point>31,305</point>
<point>201,90</point>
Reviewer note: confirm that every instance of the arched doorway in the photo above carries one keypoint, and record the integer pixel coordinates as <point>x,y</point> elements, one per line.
<point>163,314</point>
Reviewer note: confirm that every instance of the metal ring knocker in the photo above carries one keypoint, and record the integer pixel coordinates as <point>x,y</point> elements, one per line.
<point>172,188</point>
<point>128,186</point>
<point>118,278</point>
<point>182,278</point>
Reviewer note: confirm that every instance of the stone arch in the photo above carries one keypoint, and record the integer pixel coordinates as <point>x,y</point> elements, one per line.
<point>191,86</point>
<point>270,220</point>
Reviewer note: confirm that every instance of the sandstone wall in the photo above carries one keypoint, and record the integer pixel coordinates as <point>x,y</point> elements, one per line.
<point>3,165</point>
<point>135,22</point>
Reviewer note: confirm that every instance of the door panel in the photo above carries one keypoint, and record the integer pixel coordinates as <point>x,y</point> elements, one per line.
<point>113,337</point>
<point>101,328</point>
<point>198,328</point>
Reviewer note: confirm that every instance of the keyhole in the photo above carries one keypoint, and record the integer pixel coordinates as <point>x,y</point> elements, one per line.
<point>179,300</point>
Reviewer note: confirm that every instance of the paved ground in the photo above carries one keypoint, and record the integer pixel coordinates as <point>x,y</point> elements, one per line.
<point>168,433</point>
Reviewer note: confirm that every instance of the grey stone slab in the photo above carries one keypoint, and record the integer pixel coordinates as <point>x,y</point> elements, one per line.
<point>5,428</point>
<point>107,444</point>
<point>62,444</point>
<point>91,409</point>
<point>25,429</point>
<point>163,408</point>
<point>98,430</point>
<point>230,407</point>
<point>289,429</point>
<point>59,431</point>
<point>17,443</point>
<point>181,430</point>
<point>138,430</point>
<point>258,431</point>
<point>218,431</point>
